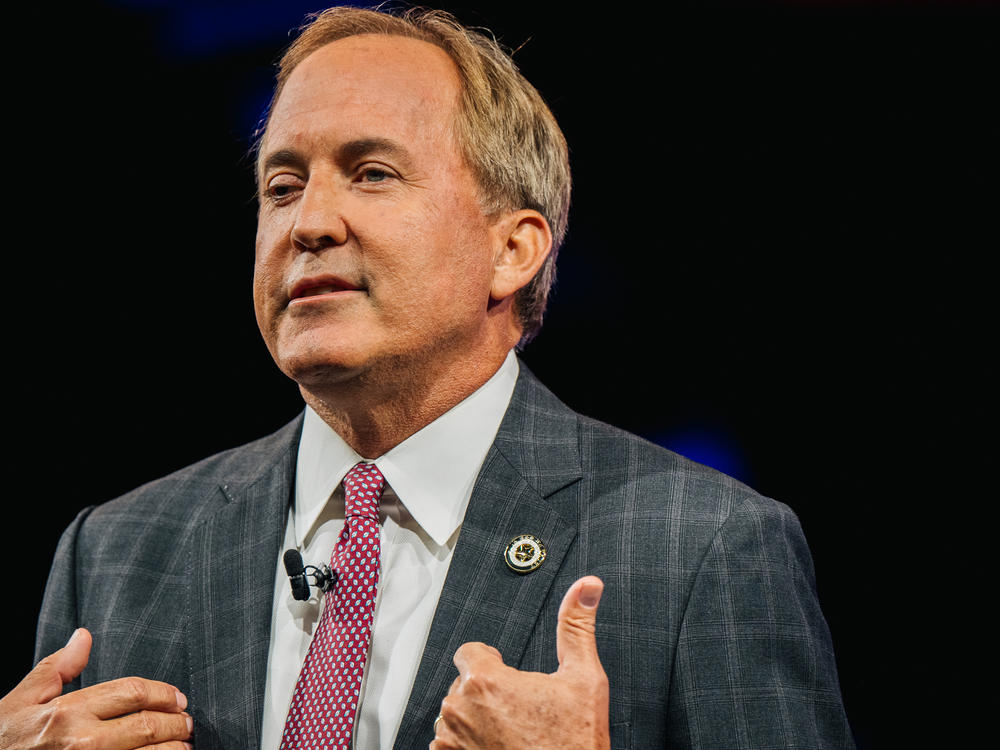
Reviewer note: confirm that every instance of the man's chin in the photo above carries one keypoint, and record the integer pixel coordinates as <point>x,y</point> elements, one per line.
<point>319,374</point>
<point>313,358</point>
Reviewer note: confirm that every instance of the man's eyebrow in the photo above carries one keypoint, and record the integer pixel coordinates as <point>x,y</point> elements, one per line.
<point>362,147</point>
<point>347,152</point>
<point>282,158</point>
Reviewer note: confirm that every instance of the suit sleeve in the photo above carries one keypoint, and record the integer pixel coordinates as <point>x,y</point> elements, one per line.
<point>59,618</point>
<point>754,665</point>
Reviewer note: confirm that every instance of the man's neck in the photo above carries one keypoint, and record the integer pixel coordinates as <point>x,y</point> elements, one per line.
<point>373,418</point>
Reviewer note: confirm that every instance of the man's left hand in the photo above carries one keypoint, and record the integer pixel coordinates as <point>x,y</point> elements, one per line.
<point>491,705</point>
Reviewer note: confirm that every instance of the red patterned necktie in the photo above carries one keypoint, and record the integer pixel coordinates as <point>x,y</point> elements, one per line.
<point>325,700</point>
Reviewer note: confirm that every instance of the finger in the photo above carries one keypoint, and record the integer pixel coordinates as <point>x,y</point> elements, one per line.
<point>73,657</point>
<point>169,746</point>
<point>444,737</point>
<point>455,684</point>
<point>576,645</point>
<point>443,743</point>
<point>473,657</point>
<point>147,728</point>
<point>126,695</point>
<point>46,680</point>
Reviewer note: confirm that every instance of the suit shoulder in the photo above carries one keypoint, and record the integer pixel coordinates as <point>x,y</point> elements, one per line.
<point>623,476</point>
<point>201,486</point>
<point>673,515</point>
<point>660,479</point>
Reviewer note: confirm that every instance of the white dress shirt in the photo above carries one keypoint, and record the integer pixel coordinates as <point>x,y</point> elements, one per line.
<point>429,478</point>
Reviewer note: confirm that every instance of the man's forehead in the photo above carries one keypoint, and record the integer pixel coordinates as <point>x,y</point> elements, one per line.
<point>374,74</point>
<point>370,63</point>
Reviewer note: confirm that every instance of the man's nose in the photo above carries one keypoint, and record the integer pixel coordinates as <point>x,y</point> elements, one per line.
<point>319,222</point>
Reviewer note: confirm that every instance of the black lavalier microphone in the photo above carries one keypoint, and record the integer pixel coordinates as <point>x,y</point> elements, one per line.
<point>323,577</point>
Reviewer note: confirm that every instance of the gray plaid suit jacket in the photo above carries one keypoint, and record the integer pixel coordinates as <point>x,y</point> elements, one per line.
<point>709,628</point>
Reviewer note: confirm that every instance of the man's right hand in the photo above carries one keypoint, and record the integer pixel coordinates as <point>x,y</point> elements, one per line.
<point>123,714</point>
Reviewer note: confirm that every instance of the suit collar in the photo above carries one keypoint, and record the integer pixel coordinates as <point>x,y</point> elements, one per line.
<point>535,457</point>
<point>538,436</point>
<point>232,584</point>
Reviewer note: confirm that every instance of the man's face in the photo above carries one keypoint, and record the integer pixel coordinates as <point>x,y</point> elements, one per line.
<point>373,252</point>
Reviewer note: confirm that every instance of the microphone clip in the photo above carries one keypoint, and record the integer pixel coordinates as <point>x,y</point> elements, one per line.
<point>323,578</point>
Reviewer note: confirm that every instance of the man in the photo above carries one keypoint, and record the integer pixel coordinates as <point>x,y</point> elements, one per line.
<point>413,193</point>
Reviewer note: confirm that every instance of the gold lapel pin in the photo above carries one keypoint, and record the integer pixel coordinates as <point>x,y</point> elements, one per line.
<point>524,553</point>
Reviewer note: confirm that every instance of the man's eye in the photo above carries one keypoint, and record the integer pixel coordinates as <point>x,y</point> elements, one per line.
<point>279,189</point>
<point>374,174</point>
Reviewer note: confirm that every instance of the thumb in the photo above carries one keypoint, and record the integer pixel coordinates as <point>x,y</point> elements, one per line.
<point>576,645</point>
<point>73,657</point>
<point>46,680</point>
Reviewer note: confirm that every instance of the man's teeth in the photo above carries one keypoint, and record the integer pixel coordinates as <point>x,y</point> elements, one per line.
<point>313,291</point>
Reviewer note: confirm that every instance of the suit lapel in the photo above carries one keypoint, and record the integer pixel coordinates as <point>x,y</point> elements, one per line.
<point>234,554</point>
<point>534,455</point>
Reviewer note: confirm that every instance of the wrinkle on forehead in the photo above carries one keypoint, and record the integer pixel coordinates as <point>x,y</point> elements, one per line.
<point>372,71</point>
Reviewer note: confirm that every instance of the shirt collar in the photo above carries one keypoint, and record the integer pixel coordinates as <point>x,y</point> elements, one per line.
<point>432,472</point>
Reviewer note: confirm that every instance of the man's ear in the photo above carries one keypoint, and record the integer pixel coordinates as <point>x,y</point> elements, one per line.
<point>523,244</point>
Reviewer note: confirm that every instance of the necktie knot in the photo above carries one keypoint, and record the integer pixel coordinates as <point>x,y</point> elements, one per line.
<point>363,487</point>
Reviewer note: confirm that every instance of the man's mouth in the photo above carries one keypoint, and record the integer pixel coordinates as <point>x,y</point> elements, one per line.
<point>318,287</point>
<point>313,291</point>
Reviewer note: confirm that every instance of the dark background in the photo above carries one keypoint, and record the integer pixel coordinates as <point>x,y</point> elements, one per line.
<point>777,264</point>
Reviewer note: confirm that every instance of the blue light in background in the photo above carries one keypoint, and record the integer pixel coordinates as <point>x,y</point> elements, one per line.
<point>198,30</point>
<point>194,28</point>
<point>708,445</point>
<point>253,107</point>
